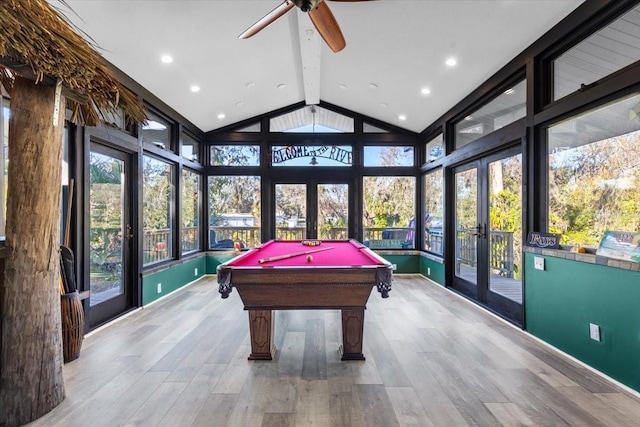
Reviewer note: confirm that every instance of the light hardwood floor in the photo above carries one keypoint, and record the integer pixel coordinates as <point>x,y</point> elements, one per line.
<point>433,359</point>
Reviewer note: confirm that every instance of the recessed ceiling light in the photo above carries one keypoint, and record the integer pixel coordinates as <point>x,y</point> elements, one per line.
<point>383,105</point>
<point>373,86</point>
<point>167,59</point>
<point>281,86</point>
<point>451,62</point>
<point>221,116</point>
<point>402,117</point>
<point>342,86</point>
<point>425,91</point>
<point>195,88</point>
<point>250,85</point>
<point>509,91</point>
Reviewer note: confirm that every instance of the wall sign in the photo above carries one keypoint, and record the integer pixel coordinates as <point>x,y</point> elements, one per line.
<point>539,239</point>
<point>296,151</point>
<point>620,244</point>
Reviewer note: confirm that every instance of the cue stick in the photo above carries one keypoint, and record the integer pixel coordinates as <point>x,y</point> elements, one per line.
<point>285,256</point>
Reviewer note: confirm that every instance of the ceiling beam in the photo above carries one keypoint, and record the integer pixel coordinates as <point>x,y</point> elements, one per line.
<point>310,46</point>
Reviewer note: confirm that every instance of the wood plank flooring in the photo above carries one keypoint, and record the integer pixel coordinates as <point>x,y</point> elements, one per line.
<point>432,359</point>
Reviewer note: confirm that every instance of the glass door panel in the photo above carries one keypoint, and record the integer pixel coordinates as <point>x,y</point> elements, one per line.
<point>466,217</point>
<point>108,228</point>
<point>291,211</point>
<point>505,227</point>
<point>333,211</point>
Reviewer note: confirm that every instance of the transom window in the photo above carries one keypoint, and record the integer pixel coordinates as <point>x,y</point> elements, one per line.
<point>504,109</point>
<point>605,52</point>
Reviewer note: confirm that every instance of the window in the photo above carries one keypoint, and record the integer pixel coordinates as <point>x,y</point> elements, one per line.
<point>433,211</point>
<point>594,173</point>
<point>234,211</point>
<point>605,52</point>
<point>389,211</point>
<point>369,128</point>
<point>312,119</point>
<point>157,214</point>
<point>190,148</point>
<point>235,155</point>
<point>157,132</point>
<point>116,119</point>
<point>255,127</point>
<point>504,109</point>
<point>388,156</point>
<point>311,155</point>
<point>190,211</point>
<point>435,148</point>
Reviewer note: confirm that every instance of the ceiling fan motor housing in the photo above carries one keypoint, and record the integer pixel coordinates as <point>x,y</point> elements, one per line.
<point>306,5</point>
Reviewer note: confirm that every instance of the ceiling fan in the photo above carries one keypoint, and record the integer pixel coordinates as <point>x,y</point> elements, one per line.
<point>320,15</point>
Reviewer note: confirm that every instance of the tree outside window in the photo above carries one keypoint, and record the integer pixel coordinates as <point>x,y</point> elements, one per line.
<point>594,173</point>
<point>157,214</point>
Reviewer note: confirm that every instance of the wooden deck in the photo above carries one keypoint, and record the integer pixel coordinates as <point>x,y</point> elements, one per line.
<point>433,359</point>
<point>505,286</point>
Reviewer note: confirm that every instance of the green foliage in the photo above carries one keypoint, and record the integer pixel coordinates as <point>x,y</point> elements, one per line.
<point>388,201</point>
<point>594,188</point>
<point>233,194</point>
<point>190,199</point>
<point>156,194</point>
<point>505,213</point>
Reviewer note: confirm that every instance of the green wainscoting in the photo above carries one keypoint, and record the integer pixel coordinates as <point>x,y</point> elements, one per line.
<point>215,259</point>
<point>406,264</point>
<point>433,269</point>
<point>172,278</point>
<point>568,295</point>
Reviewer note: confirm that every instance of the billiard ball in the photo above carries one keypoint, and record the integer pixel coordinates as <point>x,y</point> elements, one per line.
<point>309,258</point>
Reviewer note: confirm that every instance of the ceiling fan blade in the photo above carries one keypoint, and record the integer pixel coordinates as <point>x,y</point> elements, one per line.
<point>328,27</point>
<point>276,13</point>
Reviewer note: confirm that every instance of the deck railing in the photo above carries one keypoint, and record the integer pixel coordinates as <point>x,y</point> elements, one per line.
<point>157,243</point>
<point>501,251</point>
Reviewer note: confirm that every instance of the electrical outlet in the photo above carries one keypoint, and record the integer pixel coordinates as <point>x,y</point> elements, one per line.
<point>428,271</point>
<point>538,263</point>
<point>159,288</point>
<point>195,273</point>
<point>594,332</point>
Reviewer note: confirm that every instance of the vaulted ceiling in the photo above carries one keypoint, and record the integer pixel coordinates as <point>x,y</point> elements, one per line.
<point>394,63</point>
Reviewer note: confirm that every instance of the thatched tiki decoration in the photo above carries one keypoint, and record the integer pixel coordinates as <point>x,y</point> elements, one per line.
<point>42,60</point>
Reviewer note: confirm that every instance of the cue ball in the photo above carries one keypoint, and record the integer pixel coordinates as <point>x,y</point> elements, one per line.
<point>309,258</point>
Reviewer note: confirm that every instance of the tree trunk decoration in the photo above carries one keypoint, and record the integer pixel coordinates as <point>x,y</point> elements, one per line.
<point>31,382</point>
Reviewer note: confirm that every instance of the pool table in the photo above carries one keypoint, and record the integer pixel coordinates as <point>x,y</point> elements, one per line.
<point>289,275</point>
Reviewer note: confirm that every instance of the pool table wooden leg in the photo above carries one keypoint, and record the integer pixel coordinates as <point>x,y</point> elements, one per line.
<point>352,332</point>
<point>261,331</point>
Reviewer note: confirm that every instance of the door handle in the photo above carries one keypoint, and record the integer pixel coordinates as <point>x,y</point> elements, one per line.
<point>129,234</point>
<point>481,231</point>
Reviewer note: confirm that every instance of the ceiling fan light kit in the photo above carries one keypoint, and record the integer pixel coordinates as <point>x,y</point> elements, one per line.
<point>321,17</point>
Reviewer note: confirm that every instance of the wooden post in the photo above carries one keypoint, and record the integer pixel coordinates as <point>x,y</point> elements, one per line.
<point>31,382</point>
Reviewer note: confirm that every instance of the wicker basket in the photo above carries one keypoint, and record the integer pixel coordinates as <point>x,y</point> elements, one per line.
<point>72,325</point>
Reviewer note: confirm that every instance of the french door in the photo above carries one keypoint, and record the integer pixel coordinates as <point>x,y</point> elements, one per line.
<point>110,234</point>
<point>311,210</point>
<point>487,245</point>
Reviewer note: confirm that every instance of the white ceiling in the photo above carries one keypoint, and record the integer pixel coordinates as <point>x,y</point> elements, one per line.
<point>394,49</point>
